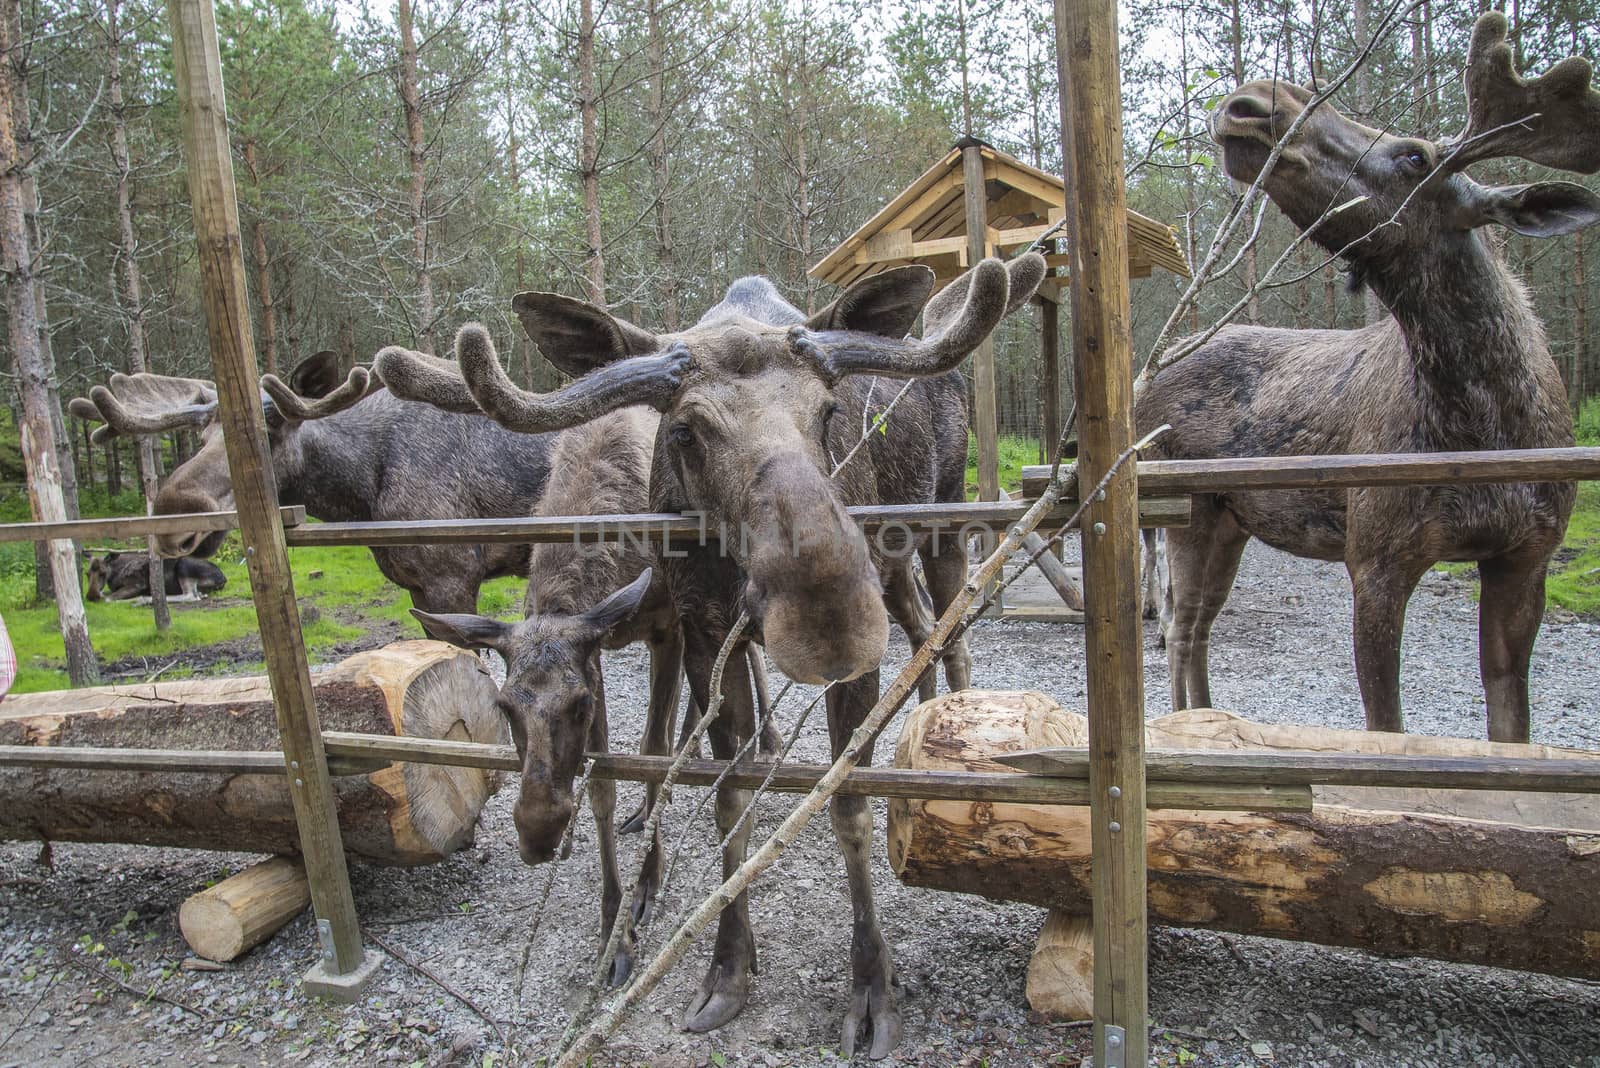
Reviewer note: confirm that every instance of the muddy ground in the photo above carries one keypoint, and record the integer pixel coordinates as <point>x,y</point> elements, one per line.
<point>86,940</point>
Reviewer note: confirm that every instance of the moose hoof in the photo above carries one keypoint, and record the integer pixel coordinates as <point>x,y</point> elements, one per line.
<point>720,998</point>
<point>621,967</point>
<point>871,1004</point>
<point>634,823</point>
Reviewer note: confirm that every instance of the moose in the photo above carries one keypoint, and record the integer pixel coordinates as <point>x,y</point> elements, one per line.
<point>753,438</point>
<point>121,576</point>
<point>1461,363</point>
<point>349,450</point>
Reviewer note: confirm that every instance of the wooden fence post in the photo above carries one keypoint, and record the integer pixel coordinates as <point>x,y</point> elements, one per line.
<point>1091,123</point>
<point>344,967</point>
<point>984,420</point>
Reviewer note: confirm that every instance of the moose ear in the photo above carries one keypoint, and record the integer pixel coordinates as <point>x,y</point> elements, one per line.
<point>469,632</point>
<point>1543,209</point>
<point>575,336</point>
<point>317,376</point>
<point>885,304</point>
<point>605,616</point>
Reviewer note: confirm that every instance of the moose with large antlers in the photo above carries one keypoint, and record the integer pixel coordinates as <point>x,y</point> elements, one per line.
<point>753,438</point>
<point>349,450</point>
<point>1460,364</point>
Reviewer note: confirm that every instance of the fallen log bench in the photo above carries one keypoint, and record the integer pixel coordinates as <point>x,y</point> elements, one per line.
<point>1501,878</point>
<point>392,814</point>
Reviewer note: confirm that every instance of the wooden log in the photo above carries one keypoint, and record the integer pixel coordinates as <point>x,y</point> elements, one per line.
<point>1061,971</point>
<point>227,920</point>
<point>398,814</point>
<point>1484,877</point>
<point>138,526</point>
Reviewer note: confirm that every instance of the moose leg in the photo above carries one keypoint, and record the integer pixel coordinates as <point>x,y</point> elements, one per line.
<point>903,598</point>
<point>666,682</point>
<point>1202,560</point>
<point>1510,610</point>
<point>603,803</point>
<point>726,987</point>
<point>1150,601</point>
<point>1382,588</point>
<point>872,978</point>
<point>944,566</point>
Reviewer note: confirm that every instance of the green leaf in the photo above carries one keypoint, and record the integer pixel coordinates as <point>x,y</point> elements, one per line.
<point>719,1060</point>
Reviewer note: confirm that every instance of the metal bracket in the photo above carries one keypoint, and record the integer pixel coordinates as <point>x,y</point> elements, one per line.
<point>325,936</point>
<point>1116,1047</point>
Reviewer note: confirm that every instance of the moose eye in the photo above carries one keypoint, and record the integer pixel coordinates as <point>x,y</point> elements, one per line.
<point>1415,161</point>
<point>680,435</point>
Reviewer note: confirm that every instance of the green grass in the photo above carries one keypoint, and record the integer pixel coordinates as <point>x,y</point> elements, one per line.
<point>1015,452</point>
<point>348,598</point>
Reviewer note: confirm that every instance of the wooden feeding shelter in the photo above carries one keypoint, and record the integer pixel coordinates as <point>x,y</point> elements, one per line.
<point>976,189</point>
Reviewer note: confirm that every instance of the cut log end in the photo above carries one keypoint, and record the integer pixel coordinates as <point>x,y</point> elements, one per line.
<point>227,920</point>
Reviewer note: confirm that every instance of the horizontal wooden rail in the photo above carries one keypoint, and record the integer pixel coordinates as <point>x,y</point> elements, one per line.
<point>800,778</point>
<point>945,519</point>
<point>198,761</point>
<point>1160,478</point>
<point>1293,768</point>
<point>141,526</point>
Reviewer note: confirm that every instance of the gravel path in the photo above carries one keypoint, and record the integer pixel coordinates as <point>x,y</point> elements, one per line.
<point>1280,654</point>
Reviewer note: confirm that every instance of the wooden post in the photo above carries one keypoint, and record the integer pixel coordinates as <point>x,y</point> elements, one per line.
<point>1091,124</point>
<point>1049,379</point>
<point>984,422</point>
<point>203,117</point>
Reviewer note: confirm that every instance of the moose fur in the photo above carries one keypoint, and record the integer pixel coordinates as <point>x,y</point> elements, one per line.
<point>1460,364</point>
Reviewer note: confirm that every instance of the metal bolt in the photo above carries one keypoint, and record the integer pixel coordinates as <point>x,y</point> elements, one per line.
<point>1113,1040</point>
<point>294,765</point>
<point>299,782</point>
<point>249,550</point>
<point>1099,528</point>
<point>1100,496</point>
<point>1115,826</point>
<point>1115,791</point>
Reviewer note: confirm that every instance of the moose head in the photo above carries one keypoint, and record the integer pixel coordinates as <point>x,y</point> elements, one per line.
<point>553,684</point>
<point>149,404</point>
<point>1418,200</point>
<point>750,438</point>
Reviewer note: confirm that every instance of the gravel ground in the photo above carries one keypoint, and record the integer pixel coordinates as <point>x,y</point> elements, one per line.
<point>87,938</point>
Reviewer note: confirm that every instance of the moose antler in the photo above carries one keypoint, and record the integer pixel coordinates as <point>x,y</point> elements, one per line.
<point>477,383</point>
<point>1553,119</point>
<point>292,406</point>
<point>955,322</point>
<point>146,404</point>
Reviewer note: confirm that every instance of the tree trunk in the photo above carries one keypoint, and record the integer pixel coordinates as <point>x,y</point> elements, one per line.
<point>1580,321</point>
<point>133,311</point>
<point>589,156</point>
<point>39,449</point>
<point>400,814</point>
<point>1477,876</point>
<point>411,102</point>
<point>660,171</point>
<point>114,466</point>
<point>1251,269</point>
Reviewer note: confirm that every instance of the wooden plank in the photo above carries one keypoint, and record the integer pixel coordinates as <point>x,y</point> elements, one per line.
<point>1050,376</point>
<point>800,778</point>
<point>199,761</point>
<point>687,530</point>
<point>1162,477</point>
<point>1292,768</point>
<point>138,526</point>
<point>984,419</point>
<point>890,245</point>
<point>1097,236</point>
<point>209,165</point>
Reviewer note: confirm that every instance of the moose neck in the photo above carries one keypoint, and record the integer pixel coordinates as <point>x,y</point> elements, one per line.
<point>330,466</point>
<point>1475,347</point>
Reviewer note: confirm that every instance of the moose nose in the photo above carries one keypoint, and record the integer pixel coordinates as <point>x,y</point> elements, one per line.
<point>1245,106</point>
